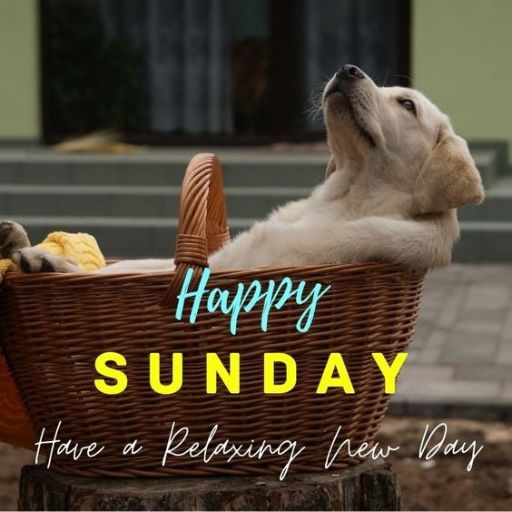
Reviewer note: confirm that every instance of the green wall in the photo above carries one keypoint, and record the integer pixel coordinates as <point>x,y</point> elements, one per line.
<point>19,75</point>
<point>462,60</point>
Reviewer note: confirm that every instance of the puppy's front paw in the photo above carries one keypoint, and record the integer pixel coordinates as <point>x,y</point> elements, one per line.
<point>13,237</point>
<point>34,260</point>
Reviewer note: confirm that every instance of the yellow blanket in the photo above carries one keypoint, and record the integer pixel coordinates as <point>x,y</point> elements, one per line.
<point>79,247</point>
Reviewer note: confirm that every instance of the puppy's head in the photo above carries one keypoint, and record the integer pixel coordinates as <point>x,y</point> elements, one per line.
<point>402,138</point>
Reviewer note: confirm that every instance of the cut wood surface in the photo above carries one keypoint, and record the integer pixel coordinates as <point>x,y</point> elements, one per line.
<point>369,486</point>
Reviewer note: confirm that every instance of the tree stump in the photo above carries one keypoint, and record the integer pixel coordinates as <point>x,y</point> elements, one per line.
<point>369,486</point>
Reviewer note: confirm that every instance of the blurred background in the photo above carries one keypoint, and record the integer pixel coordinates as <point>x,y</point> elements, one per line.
<point>169,77</point>
<point>156,81</point>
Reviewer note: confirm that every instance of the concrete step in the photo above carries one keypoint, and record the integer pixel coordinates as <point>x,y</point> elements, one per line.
<point>132,201</point>
<point>247,174</point>
<point>486,229</point>
<point>494,209</point>
<point>123,237</point>
<point>499,148</point>
<point>497,206</point>
<point>166,168</point>
<point>119,237</point>
<point>489,242</point>
<point>487,162</point>
<point>132,186</point>
<point>157,168</point>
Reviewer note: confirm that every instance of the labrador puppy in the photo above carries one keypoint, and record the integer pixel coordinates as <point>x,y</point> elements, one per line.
<point>397,174</point>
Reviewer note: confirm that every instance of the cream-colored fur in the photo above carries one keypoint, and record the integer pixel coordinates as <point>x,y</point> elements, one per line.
<point>396,175</point>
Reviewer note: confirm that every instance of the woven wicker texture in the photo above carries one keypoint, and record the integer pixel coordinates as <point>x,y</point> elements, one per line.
<point>15,425</point>
<point>55,325</point>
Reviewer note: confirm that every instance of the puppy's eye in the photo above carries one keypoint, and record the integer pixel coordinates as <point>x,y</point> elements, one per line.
<point>408,105</point>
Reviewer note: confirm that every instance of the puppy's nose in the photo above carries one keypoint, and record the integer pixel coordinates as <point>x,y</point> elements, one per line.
<point>350,72</point>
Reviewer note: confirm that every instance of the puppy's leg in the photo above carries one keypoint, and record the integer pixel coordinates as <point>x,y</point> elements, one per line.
<point>15,245</point>
<point>34,259</point>
<point>417,244</point>
<point>136,266</point>
<point>13,237</point>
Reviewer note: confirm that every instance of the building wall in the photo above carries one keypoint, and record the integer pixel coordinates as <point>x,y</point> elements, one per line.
<point>19,75</point>
<point>462,59</point>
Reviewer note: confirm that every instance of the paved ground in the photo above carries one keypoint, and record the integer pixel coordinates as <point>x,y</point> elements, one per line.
<point>462,351</point>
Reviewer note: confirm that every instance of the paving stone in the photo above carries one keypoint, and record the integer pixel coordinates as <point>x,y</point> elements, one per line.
<point>438,390</point>
<point>422,333</point>
<point>435,295</point>
<point>437,339</point>
<point>451,308</point>
<point>506,331</point>
<point>430,356</point>
<point>413,356</point>
<point>425,372</point>
<point>490,372</point>
<point>496,317</point>
<point>478,325</point>
<point>463,346</point>
<point>429,316</point>
<point>504,354</point>
<point>506,391</point>
<point>469,348</point>
<point>487,297</point>
<point>490,274</point>
<point>445,275</point>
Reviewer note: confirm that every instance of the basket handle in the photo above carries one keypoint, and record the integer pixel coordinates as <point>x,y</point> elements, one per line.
<point>202,227</point>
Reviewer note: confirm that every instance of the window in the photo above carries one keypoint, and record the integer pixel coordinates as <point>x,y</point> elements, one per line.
<point>219,71</point>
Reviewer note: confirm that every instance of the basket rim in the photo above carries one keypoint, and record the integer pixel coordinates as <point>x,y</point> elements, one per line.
<point>16,276</point>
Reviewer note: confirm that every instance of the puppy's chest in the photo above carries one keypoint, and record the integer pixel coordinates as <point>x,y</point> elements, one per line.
<point>380,205</point>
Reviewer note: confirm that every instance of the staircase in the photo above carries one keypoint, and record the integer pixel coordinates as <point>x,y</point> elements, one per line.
<point>130,202</point>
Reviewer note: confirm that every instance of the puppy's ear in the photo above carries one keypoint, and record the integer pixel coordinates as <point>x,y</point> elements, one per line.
<point>448,179</point>
<point>331,167</point>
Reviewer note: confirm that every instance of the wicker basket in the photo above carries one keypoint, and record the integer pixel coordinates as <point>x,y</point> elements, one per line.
<point>15,425</point>
<point>55,325</point>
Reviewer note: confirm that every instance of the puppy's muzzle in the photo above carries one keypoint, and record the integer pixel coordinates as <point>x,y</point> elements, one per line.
<point>349,72</point>
<point>345,78</point>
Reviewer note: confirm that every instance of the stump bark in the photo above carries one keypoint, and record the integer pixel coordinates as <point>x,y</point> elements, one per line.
<point>369,486</point>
